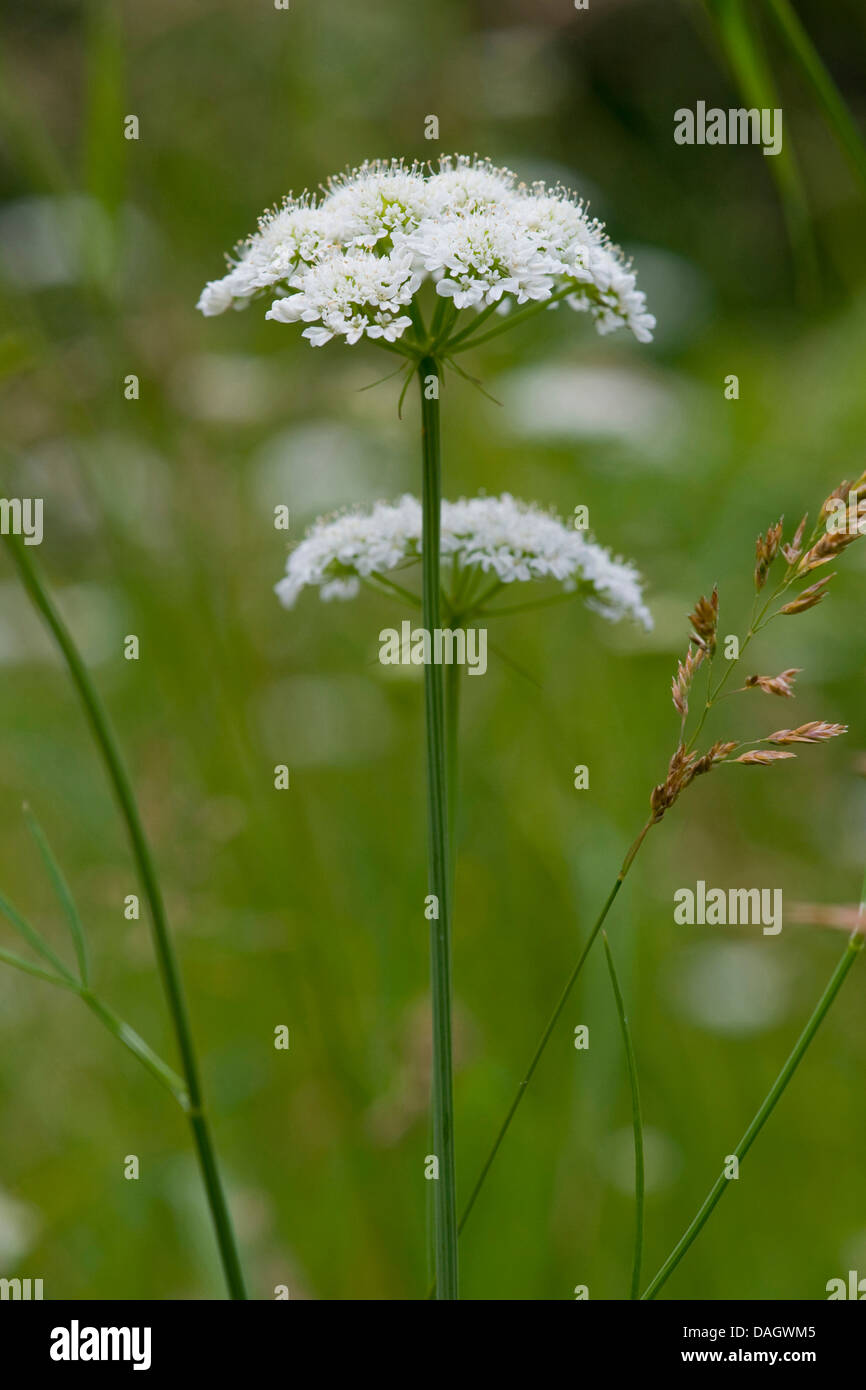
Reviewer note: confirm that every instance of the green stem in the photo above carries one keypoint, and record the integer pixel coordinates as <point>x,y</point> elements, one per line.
<point>755,626</point>
<point>524,607</point>
<point>452,723</point>
<point>473,327</point>
<point>19,963</point>
<point>35,940</point>
<point>166,958</point>
<point>116,1026</point>
<point>61,888</point>
<point>551,1024</point>
<point>637,1122</point>
<point>509,321</point>
<point>717,1191</point>
<point>137,1046</point>
<point>475,602</point>
<point>388,586</point>
<point>443,321</point>
<point>404,351</point>
<point>439,858</point>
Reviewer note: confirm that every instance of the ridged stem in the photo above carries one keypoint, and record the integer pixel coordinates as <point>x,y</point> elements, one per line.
<point>439,855</point>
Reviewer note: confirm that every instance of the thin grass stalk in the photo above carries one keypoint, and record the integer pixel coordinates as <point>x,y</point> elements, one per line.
<point>637,1121</point>
<point>35,940</point>
<point>439,854</point>
<point>37,971</point>
<point>551,1024</point>
<point>136,1045</point>
<point>61,888</point>
<point>163,945</point>
<point>452,729</point>
<point>766,1108</point>
<point>115,1025</point>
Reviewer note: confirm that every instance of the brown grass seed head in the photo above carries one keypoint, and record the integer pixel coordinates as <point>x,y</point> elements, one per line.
<point>783,684</point>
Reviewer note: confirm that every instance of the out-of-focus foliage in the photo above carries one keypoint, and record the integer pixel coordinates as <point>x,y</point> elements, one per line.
<point>304,908</point>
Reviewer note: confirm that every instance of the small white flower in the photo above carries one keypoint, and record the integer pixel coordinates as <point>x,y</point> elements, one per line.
<point>376,202</point>
<point>465,185</point>
<point>481,257</point>
<point>351,295</point>
<point>350,262</point>
<point>293,235</point>
<point>514,542</point>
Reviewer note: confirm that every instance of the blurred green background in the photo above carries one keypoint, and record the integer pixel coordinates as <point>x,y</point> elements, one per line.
<point>303,907</point>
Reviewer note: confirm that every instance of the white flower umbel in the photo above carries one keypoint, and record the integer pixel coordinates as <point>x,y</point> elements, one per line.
<point>350,262</point>
<point>512,542</point>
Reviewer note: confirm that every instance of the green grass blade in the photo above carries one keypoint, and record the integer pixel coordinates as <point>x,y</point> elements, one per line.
<point>64,896</point>
<point>637,1122</point>
<point>631,855</point>
<point>19,963</point>
<point>832,103</point>
<point>745,55</point>
<point>35,939</point>
<point>138,1047</point>
<point>116,1026</point>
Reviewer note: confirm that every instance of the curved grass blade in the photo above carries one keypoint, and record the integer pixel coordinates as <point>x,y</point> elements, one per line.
<point>637,1122</point>
<point>64,896</point>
